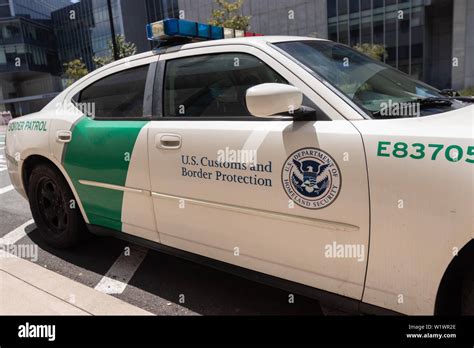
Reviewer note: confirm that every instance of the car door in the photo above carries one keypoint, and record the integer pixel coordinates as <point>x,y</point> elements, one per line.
<point>283,197</point>
<point>106,157</point>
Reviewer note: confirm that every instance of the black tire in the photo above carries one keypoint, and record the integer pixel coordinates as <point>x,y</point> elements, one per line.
<point>467,296</point>
<point>60,223</point>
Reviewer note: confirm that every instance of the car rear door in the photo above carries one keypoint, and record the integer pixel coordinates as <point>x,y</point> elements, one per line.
<point>287,198</point>
<point>106,157</point>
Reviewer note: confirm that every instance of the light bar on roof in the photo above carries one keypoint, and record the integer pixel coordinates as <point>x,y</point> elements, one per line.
<point>171,28</point>
<point>168,28</point>
<point>229,33</point>
<point>239,33</point>
<point>204,31</point>
<point>217,33</point>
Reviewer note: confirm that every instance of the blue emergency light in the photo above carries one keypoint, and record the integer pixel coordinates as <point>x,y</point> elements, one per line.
<point>204,30</point>
<point>172,29</point>
<point>217,33</point>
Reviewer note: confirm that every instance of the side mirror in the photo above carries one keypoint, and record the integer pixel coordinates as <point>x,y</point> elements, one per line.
<point>270,99</point>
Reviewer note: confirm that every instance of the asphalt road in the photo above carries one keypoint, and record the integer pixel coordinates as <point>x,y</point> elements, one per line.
<point>157,282</point>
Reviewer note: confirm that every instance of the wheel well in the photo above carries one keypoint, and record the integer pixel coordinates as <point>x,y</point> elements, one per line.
<point>30,163</point>
<point>448,299</point>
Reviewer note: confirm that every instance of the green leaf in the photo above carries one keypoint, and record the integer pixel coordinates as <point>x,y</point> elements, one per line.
<point>229,15</point>
<point>376,52</point>
<point>124,49</point>
<point>74,70</point>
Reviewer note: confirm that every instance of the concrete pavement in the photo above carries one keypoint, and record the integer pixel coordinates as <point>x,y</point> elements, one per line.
<point>29,289</point>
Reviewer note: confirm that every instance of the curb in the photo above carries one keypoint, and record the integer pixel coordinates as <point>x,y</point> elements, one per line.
<point>29,289</point>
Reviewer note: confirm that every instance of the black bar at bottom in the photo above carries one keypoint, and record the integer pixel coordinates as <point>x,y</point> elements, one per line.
<point>260,330</point>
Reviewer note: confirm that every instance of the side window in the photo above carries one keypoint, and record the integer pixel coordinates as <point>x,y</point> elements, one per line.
<point>117,96</point>
<point>213,85</point>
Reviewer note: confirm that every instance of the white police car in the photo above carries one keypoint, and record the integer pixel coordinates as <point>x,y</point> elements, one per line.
<point>332,174</point>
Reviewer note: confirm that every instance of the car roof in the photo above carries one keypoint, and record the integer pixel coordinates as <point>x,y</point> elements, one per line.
<point>253,41</point>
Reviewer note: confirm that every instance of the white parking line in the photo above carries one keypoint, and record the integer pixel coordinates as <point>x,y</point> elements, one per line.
<point>6,189</point>
<point>3,169</point>
<point>15,235</point>
<point>116,279</point>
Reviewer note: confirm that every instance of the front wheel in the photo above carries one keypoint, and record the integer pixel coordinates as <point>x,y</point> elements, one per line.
<point>54,208</point>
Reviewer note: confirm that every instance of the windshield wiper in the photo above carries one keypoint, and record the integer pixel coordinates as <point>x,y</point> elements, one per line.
<point>453,94</point>
<point>397,110</point>
<point>433,101</point>
<point>465,99</point>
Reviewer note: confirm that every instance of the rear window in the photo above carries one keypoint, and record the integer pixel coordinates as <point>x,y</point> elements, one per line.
<point>117,96</point>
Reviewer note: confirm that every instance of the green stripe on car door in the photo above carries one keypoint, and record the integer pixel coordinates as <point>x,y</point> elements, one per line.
<point>100,151</point>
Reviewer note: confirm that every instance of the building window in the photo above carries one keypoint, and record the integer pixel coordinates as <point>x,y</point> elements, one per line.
<point>378,3</point>
<point>342,7</point>
<point>5,10</point>
<point>353,6</point>
<point>365,5</point>
<point>332,9</point>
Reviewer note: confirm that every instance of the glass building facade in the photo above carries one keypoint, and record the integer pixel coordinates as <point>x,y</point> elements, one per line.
<point>37,10</point>
<point>157,10</point>
<point>397,25</point>
<point>5,10</point>
<point>27,46</point>
<point>37,37</point>
<point>27,41</point>
<point>45,34</point>
<point>83,30</point>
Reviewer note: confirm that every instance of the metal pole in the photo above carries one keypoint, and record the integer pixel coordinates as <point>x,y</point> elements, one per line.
<point>112,30</point>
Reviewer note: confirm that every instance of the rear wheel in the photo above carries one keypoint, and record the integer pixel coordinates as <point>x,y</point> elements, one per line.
<point>54,208</point>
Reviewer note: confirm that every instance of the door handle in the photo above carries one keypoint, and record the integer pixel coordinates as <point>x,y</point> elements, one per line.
<point>168,141</point>
<point>63,136</point>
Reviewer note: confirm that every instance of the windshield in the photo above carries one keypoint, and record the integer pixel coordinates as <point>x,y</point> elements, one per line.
<point>371,84</point>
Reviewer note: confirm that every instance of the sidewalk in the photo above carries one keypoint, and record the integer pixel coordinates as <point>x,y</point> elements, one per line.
<point>29,289</point>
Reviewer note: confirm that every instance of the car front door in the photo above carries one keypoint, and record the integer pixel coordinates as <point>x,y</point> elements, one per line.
<point>283,197</point>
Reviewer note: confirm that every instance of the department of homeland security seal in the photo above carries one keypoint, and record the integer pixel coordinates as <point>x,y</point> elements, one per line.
<point>311,178</point>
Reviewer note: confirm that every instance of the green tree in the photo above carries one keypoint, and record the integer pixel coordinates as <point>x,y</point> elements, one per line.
<point>74,70</point>
<point>377,52</point>
<point>467,92</point>
<point>124,49</point>
<point>228,15</point>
